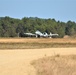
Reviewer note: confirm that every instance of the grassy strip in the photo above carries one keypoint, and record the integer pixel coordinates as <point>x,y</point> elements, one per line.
<point>35,45</point>
<point>56,65</point>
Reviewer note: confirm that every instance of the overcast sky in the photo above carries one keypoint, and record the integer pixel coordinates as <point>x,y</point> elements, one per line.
<point>62,10</point>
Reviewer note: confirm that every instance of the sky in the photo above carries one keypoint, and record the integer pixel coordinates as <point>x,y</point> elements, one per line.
<point>62,10</point>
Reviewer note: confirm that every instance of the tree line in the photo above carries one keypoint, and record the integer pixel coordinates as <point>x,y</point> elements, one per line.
<point>11,27</point>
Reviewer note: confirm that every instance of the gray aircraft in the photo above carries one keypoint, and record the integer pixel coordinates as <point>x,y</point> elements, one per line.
<point>39,34</point>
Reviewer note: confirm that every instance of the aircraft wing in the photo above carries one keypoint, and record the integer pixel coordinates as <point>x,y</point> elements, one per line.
<point>53,35</point>
<point>29,34</point>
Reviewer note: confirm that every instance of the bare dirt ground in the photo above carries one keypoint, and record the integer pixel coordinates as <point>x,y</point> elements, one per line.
<point>17,61</point>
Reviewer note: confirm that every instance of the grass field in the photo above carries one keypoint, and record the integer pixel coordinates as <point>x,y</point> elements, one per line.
<point>35,43</point>
<point>29,54</point>
<point>56,65</point>
<point>18,61</point>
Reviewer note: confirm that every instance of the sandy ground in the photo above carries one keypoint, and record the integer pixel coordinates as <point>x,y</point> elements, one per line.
<point>17,62</point>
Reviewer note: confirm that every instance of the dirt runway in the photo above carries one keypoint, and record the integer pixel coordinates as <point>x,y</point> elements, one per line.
<point>17,62</point>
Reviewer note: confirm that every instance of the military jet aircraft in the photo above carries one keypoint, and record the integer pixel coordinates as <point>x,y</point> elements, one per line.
<point>39,34</point>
